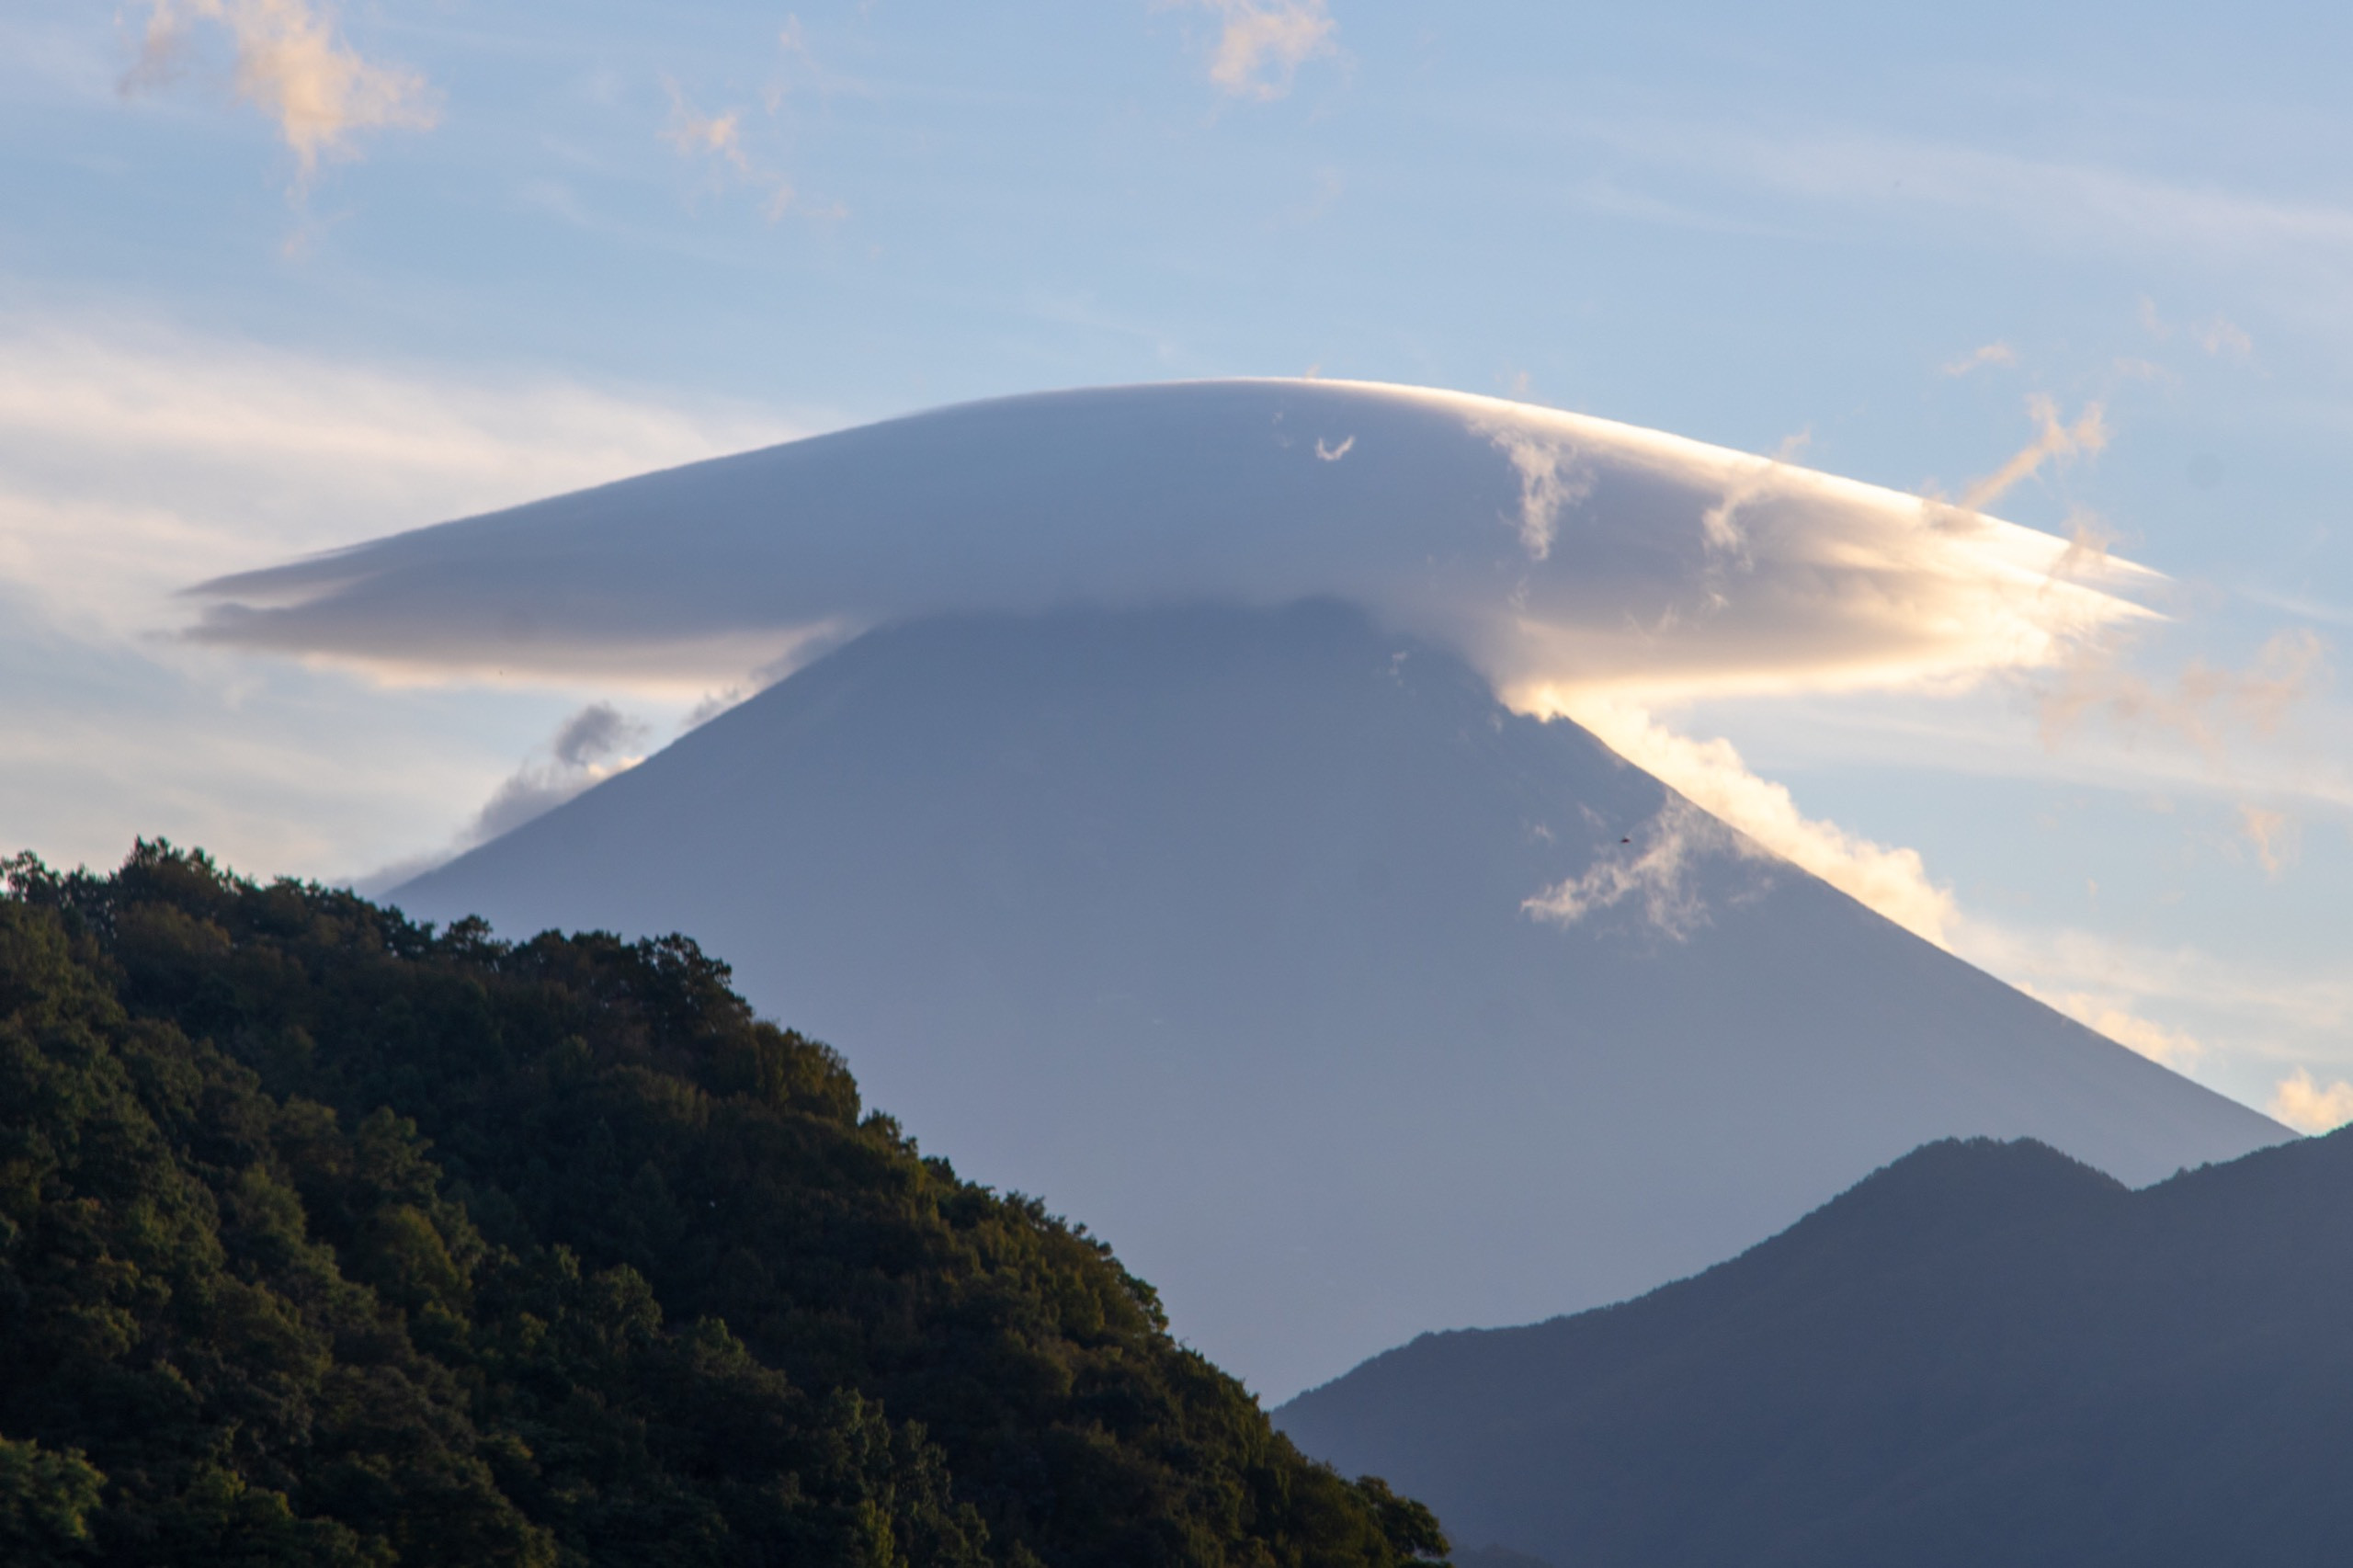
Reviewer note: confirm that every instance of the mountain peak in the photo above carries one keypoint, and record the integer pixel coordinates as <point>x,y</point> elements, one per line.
<point>1218,919</point>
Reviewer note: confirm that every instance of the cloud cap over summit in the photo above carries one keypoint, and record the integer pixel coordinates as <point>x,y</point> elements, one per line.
<point>1556,551</point>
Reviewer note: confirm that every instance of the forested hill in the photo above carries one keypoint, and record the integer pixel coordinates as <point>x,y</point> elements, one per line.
<point>326,1238</point>
<point>1985,1353</point>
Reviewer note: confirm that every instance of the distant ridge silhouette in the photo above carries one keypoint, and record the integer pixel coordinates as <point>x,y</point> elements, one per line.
<point>1986,1352</point>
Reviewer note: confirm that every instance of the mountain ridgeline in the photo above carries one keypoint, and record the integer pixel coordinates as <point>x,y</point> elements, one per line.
<point>1985,1353</point>
<point>328,1238</point>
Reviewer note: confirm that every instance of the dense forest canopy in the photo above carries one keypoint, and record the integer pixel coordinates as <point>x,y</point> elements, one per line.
<point>326,1237</point>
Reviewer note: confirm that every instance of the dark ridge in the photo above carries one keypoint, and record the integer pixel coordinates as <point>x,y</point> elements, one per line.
<point>1984,1352</point>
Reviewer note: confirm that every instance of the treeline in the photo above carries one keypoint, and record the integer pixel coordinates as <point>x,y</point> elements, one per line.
<point>329,1238</point>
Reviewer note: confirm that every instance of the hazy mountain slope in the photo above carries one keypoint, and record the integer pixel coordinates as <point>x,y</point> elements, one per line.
<point>1211,920</point>
<point>1984,1353</point>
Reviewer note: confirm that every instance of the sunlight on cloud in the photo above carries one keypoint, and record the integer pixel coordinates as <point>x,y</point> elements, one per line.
<point>1264,42</point>
<point>289,63</point>
<point>1569,558</point>
<point>1710,774</point>
<point>1587,569</point>
<point>2305,1106</point>
<point>2151,1040</point>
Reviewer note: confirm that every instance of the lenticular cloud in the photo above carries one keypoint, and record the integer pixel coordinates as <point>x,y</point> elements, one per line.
<point>1565,556</point>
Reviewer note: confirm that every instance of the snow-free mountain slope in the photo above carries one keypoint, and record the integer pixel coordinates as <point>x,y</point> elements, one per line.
<point>1984,1353</point>
<point>1211,922</point>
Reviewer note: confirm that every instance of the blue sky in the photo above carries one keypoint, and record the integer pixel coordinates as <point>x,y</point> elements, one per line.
<point>275,277</point>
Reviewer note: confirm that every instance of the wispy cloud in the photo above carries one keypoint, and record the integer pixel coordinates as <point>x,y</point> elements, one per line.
<point>1978,358</point>
<point>2218,336</point>
<point>2273,834</point>
<point>289,61</point>
<point>1551,480</point>
<point>720,138</point>
<point>2203,703</point>
<point>1657,871</point>
<point>133,459</point>
<point>1262,43</point>
<point>2055,438</point>
<point>2224,338</point>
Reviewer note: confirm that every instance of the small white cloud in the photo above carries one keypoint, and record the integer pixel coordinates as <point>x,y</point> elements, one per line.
<point>1263,43</point>
<point>1655,868</point>
<point>1333,454</point>
<point>2305,1106</point>
<point>1978,358</point>
<point>291,64</point>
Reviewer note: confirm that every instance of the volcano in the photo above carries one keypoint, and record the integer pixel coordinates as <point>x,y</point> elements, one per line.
<point>1267,940</point>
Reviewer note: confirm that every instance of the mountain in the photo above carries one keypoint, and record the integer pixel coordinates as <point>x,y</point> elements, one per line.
<point>328,1240</point>
<point>1218,922</point>
<point>1984,1353</point>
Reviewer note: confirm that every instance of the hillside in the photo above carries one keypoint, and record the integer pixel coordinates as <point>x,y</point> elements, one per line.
<point>1218,916</point>
<point>330,1239</point>
<point>1983,1353</point>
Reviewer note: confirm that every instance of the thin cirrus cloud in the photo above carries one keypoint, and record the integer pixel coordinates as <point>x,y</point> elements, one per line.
<point>133,458</point>
<point>289,61</point>
<point>2000,354</point>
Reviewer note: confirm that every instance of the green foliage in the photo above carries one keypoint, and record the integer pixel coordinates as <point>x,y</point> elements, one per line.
<point>329,1238</point>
